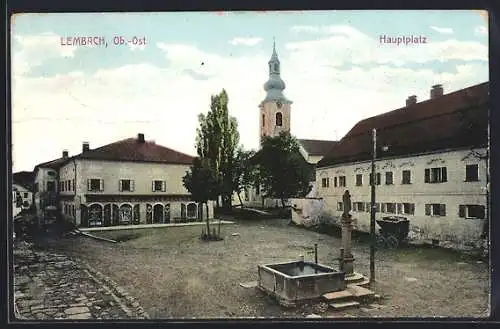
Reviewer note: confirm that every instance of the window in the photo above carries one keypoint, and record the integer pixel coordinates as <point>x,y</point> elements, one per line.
<point>390,208</point>
<point>377,207</point>
<point>406,208</point>
<point>435,209</point>
<point>73,185</point>
<point>126,185</point>
<point>388,178</point>
<point>472,173</point>
<point>66,187</point>
<point>472,211</point>
<point>382,206</point>
<point>340,206</point>
<point>263,120</point>
<point>65,208</point>
<point>159,186</point>
<point>69,186</point>
<point>359,180</point>
<point>25,195</point>
<point>95,184</point>
<point>406,177</point>
<point>378,179</point>
<point>436,175</point>
<point>276,67</point>
<point>51,173</point>
<point>36,187</point>
<point>335,184</point>
<point>341,181</point>
<point>257,189</point>
<point>358,206</point>
<point>51,186</point>
<point>279,119</point>
<point>325,182</point>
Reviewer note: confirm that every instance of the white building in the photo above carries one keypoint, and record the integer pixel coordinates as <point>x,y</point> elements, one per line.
<point>129,181</point>
<point>431,167</point>
<point>21,198</point>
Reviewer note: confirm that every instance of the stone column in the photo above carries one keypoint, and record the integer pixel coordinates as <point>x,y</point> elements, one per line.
<point>348,258</point>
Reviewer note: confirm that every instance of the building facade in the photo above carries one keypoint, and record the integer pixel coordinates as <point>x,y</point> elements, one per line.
<point>431,167</point>
<point>132,181</point>
<point>22,198</point>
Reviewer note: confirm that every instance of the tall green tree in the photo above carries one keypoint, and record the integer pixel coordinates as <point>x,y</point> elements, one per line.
<point>201,182</point>
<point>283,171</point>
<point>245,173</point>
<point>217,139</point>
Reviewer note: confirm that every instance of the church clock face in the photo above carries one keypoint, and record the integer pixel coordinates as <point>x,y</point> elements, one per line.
<point>279,104</point>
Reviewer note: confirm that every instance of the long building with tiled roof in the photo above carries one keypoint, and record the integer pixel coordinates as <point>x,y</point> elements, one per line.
<point>431,167</point>
<point>125,182</point>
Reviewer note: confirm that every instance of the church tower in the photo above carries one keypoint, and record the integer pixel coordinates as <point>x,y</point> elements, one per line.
<point>275,108</point>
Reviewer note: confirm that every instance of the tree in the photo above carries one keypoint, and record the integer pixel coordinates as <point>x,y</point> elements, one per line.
<point>283,171</point>
<point>201,183</point>
<point>244,173</point>
<point>217,138</point>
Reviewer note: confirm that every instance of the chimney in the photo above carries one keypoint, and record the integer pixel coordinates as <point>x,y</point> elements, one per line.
<point>140,138</point>
<point>436,91</point>
<point>85,146</point>
<point>65,154</point>
<point>411,100</point>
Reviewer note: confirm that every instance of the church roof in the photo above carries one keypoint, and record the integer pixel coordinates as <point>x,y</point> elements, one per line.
<point>451,121</point>
<point>317,147</point>
<point>129,149</point>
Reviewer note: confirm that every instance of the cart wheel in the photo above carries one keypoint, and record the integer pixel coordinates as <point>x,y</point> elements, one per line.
<point>381,242</point>
<point>392,242</point>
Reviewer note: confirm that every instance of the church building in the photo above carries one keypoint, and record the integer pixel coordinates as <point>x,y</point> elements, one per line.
<point>275,117</point>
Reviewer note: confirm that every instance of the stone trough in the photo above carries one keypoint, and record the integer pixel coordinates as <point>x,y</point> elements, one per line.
<point>295,282</point>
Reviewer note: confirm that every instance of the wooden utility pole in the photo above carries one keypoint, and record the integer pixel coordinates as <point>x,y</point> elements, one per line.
<point>373,210</point>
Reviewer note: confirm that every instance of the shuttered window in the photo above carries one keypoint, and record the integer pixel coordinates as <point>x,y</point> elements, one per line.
<point>126,185</point>
<point>159,186</point>
<point>388,178</point>
<point>436,175</point>
<point>472,211</point>
<point>95,184</point>
<point>435,210</point>
<point>406,179</point>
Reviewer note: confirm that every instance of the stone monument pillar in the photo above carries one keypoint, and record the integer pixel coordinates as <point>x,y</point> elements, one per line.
<point>346,258</point>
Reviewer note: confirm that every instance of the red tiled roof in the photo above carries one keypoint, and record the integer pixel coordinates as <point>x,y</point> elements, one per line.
<point>23,178</point>
<point>316,147</point>
<point>451,121</point>
<point>53,164</point>
<point>131,149</point>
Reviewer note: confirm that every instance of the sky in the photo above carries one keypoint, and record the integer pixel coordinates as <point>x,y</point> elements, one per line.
<point>336,69</point>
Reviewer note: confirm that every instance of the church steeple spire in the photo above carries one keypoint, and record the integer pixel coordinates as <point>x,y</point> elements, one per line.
<point>275,85</point>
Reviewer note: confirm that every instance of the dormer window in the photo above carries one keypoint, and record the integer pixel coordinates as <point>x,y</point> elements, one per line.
<point>279,119</point>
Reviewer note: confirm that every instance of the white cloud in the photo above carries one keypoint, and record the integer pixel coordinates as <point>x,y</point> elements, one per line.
<point>246,41</point>
<point>481,30</point>
<point>442,30</point>
<point>349,46</point>
<point>31,51</point>
<point>54,113</point>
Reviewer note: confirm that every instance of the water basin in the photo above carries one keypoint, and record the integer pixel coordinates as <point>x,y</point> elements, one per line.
<point>294,282</point>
